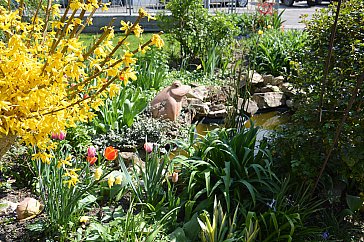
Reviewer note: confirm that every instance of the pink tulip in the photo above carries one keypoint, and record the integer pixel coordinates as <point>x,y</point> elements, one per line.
<point>91,151</point>
<point>148,147</point>
<point>62,135</point>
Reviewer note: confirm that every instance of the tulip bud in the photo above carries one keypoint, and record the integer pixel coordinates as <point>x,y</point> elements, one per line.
<point>55,136</point>
<point>62,135</point>
<point>91,151</point>
<point>175,177</point>
<point>91,160</point>
<point>148,147</point>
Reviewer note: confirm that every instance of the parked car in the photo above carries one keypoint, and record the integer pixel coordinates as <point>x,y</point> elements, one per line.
<point>309,2</point>
<point>238,3</point>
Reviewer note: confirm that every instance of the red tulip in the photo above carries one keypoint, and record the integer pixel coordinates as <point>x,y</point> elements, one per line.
<point>91,160</point>
<point>110,153</point>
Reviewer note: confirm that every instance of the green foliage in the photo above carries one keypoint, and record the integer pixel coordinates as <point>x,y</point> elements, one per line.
<point>120,111</point>
<point>151,70</point>
<point>278,53</point>
<point>231,165</point>
<point>304,144</point>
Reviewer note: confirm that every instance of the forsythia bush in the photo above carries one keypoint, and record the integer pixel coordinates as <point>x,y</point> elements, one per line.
<point>49,80</point>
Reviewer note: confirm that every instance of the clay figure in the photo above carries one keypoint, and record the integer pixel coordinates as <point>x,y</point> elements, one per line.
<point>168,103</point>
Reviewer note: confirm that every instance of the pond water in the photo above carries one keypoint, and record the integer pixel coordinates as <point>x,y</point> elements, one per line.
<point>267,121</point>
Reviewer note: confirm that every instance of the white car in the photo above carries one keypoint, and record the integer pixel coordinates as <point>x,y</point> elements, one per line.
<point>239,3</point>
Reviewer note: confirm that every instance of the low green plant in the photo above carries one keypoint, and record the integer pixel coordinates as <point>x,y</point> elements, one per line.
<point>120,110</point>
<point>218,227</point>
<point>120,225</point>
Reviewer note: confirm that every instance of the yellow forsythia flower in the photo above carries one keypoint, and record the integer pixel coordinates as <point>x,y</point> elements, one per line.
<point>111,181</point>
<point>260,32</point>
<point>98,174</point>
<point>157,41</point>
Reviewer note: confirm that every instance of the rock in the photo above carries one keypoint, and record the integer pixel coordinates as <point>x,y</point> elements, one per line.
<point>194,101</point>
<point>289,103</point>
<point>254,78</point>
<point>257,78</point>
<point>277,80</point>
<point>200,109</point>
<point>288,89</point>
<point>7,207</point>
<point>199,92</point>
<point>28,208</point>
<point>250,107</point>
<point>268,79</point>
<point>168,102</point>
<point>270,88</point>
<point>217,107</point>
<point>217,114</point>
<point>269,99</point>
<point>129,157</point>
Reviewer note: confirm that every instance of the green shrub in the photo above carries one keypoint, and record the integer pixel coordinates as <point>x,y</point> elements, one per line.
<point>197,32</point>
<point>304,144</point>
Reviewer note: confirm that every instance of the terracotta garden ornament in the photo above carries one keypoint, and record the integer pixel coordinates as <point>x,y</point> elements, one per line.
<point>168,103</point>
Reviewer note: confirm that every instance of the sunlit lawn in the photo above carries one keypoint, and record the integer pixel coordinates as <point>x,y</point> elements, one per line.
<point>132,40</point>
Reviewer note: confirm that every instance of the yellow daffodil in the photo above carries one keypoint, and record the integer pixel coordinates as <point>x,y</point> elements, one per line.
<point>118,180</point>
<point>110,181</point>
<point>72,177</point>
<point>84,219</point>
<point>65,162</point>
<point>98,174</point>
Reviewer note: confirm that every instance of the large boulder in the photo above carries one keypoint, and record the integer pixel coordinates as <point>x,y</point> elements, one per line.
<point>199,92</point>
<point>250,106</point>
<point>269,99</point>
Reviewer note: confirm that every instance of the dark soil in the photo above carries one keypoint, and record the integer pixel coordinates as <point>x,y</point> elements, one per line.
<point>11,229</point>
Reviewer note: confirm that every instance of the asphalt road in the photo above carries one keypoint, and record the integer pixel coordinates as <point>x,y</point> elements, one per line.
<point>291,15</point>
